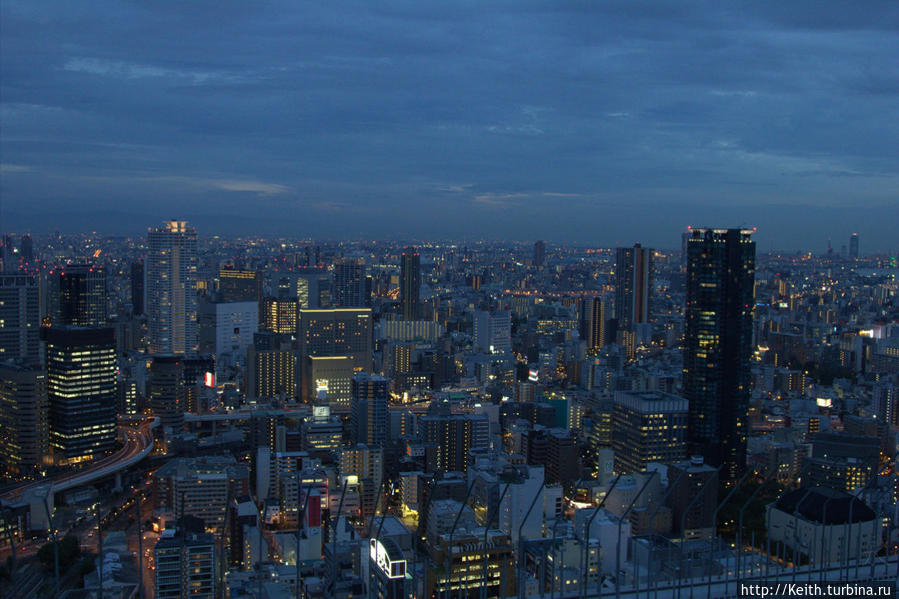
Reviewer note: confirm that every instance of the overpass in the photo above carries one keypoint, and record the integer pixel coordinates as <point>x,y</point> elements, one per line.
<point>138,443</point>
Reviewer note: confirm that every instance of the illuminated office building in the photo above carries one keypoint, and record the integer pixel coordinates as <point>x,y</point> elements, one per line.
<point>279,315</point>
<point>271,367</point>
<point>172,288</point>
<point>333,345</point>
<point>185,566</point>
<point>24,430</point>
<point>648,426</point>
<point>237,285</point>
<point>718,345</point>
<point>81,389</point>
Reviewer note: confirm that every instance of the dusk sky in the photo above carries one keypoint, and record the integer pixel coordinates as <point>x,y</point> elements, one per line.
<point>601,123</point>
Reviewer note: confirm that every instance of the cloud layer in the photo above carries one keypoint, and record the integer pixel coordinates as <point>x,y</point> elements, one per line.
<point>593,122</point>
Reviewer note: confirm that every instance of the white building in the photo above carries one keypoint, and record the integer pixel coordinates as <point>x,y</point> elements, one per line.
<point>493,331</point>
<point>226,331</point>
<point>172,288</point>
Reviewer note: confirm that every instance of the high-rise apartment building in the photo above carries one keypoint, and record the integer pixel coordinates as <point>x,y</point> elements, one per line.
<point>185,566</point>
<point>718,345</point>
<point>77,295</point>
<point>24,429</point>
<point>410,283</point>
<point>172,288</point>
<point>593,318</point>
<point>539,253</point>
<point>455,435</point>
<point>81,390</point>
<point>271,367</point>
<point>633,285</point>
<point>368,409</point>
<point>349,285</point>
<point>853,246</point>
<point>20,318</point>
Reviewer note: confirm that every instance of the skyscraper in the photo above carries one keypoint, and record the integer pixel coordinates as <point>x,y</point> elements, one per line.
<point>853,246</point>
<point>26,246</point>
<point>165,390</point>
<point>172,288</point>
<point>410,282</point>
<point>349,284</point>
<point>593,322</point>
<point>718,345</point>
<point>20,318</point>
<point>633,285</point>
<point>539,253</point>
<point>137,287</point>
<point>24,431</point>
<point>77,295</point>
<point>81,383</point>
<point>237,285</point>
<point>368,409</point>
<point>648,426</point>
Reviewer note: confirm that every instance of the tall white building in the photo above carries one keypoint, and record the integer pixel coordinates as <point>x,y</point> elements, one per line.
<point>493,331</point>
<point>172,288</point>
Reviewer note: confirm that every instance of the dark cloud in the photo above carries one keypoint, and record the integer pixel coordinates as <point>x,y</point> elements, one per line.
<point>593,122</point>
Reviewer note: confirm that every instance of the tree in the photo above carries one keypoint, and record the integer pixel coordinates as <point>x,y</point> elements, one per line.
<point>69,551</point>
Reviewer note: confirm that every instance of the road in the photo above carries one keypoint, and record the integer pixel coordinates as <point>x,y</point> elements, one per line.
<point>138,443</point>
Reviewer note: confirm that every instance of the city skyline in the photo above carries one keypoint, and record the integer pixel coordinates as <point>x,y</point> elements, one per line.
<point>513,121</point>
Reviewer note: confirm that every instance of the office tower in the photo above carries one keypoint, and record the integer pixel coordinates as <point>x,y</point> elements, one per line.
<point>368,409</point>
<point>271,367</point>
<point>648,426</point>
<point>456,563</point>
<point>349,285</point>
<point>239,285</point>
<point>563,461</point>
<point>410,282</point>
<point>853,246</point>
<point>166,391</point>
<point>185,566</point>
<point>493,331</point>
<point>695,493</point>
<point>593,318</point>
<point>279,315</point>
<point>81,390</point>
<point>77,295</point>
<point>633,285</point>
<point>539,253</point>
<point>172,288</point>
<point>26,248</point>
<point>20,318</point>
<point>718,345</point>
<point>335,342</point>
<point>841,461</point>
<point>455,435</point>
<point>137,287</point>
<point>24,429</point>
<point>225,330</point>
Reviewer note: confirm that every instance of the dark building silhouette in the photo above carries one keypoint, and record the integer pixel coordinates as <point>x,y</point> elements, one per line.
<point>718,345</point>
<point>633,285</point>
<point>137,287</point>
<point>539,253</point>
<point>77,295</point>
<point>410,283</point>
<point>349,285</point>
